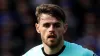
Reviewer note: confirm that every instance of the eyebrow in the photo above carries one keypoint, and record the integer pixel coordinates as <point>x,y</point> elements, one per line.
<point>53,23</point>
<point>57,23</point>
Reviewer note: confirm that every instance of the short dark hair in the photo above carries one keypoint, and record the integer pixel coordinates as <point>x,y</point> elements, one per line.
<point>51,9</point>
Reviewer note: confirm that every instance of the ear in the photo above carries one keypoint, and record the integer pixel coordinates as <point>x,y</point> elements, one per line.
<point>65,27</point>
<point>37,27</point>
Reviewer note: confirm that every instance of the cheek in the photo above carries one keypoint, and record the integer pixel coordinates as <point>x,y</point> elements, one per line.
<point>60,32</point>
<point>43,33</point>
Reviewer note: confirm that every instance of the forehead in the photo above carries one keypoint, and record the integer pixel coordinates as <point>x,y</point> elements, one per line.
<point>48,18</point>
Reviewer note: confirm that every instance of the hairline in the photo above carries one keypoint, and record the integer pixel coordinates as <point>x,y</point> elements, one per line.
<point>38,18</point>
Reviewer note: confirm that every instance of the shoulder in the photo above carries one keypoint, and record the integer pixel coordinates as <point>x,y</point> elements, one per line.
<point>73,46</point>
<point>89,53</point>
<point>78,49</point>
<point>34,50</point>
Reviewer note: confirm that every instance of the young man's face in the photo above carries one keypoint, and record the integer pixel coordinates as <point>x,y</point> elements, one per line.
<point>51,30</point>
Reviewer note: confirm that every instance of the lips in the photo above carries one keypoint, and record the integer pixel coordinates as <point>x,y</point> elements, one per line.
<point>52,36</point>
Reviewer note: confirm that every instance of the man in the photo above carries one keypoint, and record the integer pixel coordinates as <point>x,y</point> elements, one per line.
<point>51,26</point>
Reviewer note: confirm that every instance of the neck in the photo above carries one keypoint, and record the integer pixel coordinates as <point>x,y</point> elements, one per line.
<point>55,50</point>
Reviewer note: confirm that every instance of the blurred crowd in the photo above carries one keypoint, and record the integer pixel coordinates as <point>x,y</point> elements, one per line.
<point>17,29</point>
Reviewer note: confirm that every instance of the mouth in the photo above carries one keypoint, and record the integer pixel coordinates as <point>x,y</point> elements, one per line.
<point>52,36</point>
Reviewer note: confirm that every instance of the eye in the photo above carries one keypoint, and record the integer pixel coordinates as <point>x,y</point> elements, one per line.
<point>47,25</point>
<point>57,25</point>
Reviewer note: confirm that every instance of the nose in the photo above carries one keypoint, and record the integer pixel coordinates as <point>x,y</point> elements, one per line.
<point>51,29</point>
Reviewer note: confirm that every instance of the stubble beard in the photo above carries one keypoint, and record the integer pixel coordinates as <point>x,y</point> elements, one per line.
<point>52,44</point>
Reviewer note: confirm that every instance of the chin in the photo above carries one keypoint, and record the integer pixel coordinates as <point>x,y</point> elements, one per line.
<point>52,45</point>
